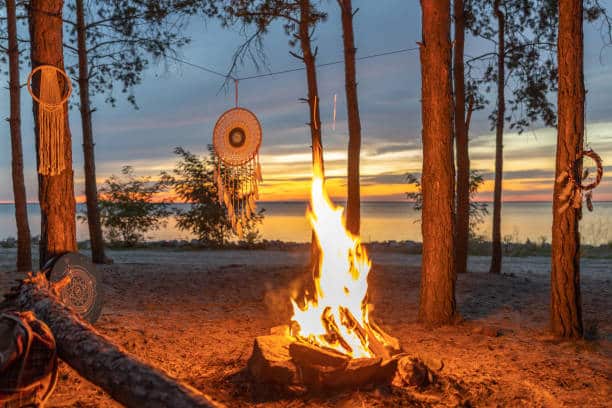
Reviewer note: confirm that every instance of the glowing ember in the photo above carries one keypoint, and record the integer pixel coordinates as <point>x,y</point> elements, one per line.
<point>336,316</point>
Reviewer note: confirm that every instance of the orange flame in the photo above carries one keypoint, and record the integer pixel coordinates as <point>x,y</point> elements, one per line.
<point>336,317</point>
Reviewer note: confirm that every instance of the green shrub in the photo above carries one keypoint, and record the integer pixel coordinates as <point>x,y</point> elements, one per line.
<point>193,181</point>
<point>127,209</point>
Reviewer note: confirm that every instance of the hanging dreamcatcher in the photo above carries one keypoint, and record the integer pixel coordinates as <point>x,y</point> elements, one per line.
<point>53,90</point>
<point>573,192</point>
<point>236,141</point>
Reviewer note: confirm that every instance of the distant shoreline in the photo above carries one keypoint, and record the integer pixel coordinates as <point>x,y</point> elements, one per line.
<point>478,247</point>
<point>363,202</point>
<point>380,221</point>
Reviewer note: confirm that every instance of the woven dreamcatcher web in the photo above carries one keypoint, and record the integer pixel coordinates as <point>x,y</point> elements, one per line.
<point>236,141</point>
<point>54,89</point>
<point>572,179</point>
<point>574,190</point>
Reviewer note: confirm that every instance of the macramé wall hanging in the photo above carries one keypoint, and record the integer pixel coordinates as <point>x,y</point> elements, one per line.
<point>236,141</point>
<point>54,89</point>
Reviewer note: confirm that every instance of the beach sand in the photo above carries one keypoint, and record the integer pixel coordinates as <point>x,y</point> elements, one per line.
<point>195,314</point>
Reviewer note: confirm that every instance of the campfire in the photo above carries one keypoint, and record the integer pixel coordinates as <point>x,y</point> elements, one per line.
<point>336,316</point>
<point>332,341</point>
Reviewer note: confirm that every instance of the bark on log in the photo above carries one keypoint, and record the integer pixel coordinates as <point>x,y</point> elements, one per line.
<point>271,362</point>
<point>129,381</point>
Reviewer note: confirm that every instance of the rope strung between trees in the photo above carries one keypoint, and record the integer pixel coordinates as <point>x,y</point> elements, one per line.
<point>289,70</point>
<point>236,141</point>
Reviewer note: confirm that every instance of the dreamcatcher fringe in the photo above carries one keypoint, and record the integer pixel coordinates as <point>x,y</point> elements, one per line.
<point>237,189</point>
<point>573,191</point>
<point>52,160</point>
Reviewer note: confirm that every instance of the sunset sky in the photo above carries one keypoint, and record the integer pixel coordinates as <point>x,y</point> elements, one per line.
<point>179,105</point>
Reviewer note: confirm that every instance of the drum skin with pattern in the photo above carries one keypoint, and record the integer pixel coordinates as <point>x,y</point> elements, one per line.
<point>83,293</point>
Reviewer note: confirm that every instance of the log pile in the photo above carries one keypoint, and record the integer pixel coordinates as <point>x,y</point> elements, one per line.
<point>94,356</point>
<point>281,359</point>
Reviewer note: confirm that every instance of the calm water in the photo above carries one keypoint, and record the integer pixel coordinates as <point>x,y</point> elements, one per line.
<point>381,221</point>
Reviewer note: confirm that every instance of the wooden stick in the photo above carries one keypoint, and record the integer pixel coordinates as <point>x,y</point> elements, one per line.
<point>367,335</point>
<point>332,328</point>
<point>126,379</point>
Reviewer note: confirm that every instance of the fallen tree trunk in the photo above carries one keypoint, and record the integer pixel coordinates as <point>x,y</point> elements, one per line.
<point>94,356</point>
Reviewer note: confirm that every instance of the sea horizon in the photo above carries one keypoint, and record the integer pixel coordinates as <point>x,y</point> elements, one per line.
<point>343,200</point>
<point>380,221</point>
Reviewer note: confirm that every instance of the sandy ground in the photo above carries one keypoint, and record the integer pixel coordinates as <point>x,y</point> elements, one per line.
<point>195,314</point>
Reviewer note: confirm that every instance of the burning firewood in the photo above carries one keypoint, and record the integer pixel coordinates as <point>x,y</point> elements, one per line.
<point>129,381</point>
<point>366,335</point>
<point>306,354</point>
<point>285,360</point>
<point>331,341</point>
<point>337,314</point>
<point>320,368</point>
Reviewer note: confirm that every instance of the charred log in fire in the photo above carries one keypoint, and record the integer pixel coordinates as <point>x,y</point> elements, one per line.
<point>284,360</point>
<point>94,356</point>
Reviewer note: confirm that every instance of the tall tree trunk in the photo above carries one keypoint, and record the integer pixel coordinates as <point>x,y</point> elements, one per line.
<point>24,248</point>
<point>55,193</point>
<point>309,59</point>
<point>91,190</point>
<point>353,205</point>
<point>462,220</point>
<point>496,256</point>
<point>566,304</point>
<point>437,293</point>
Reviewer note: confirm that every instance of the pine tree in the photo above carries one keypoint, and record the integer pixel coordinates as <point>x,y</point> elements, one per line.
<point>114,42</point>
<point>353,204</point>
<point>24,250</point>
<point>437,293</point>
<point>55,192</point>
<point>462,218</point>
<point>566,303</point>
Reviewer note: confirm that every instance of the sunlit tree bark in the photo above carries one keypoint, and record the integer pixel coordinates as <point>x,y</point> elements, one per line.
<point>566,303</point>
<point>437,293</point>
<point>309,59</point>
<point>55,193</point>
